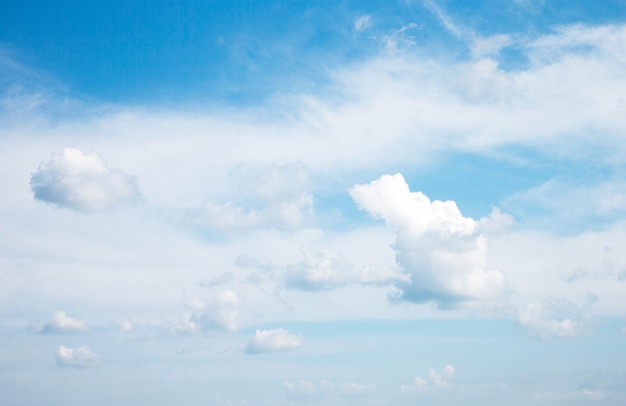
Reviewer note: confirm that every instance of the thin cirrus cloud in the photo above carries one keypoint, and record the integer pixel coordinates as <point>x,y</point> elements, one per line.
<point>443,252</point>
<point>82,181</point>
<point>272,340</point>
<point>78,357</point>
<point>61,323</point>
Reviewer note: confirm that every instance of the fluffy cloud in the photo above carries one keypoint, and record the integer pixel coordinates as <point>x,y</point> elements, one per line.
<point>443,252</point>
<point>79,357</point>
<point>272,340</point>
<point>61,323</point>
<point>434,380</point>
<point>82,181</point>
<point>277,197</point>
<point>219,312</point>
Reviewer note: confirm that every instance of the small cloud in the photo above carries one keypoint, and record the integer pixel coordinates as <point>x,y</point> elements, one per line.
<point>79,357</point>
<point>272,340</point>
<point>554,318</point>
<point>124,325</point>
<point>218,312</point>
<point>327,270</point>
<point>434,380</point>
<point>356,389</point>
<point>277,197</point>
<point>308,390</point>
<point>61,323</point>
<point>363,23</point>
<point>82,181</point>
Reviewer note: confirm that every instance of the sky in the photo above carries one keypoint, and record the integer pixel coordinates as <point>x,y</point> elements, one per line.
<point>334,202</point>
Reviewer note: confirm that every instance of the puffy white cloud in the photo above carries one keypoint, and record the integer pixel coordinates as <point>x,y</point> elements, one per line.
<point>79,357</point>
<point>277,197</point>
<point>82,181</point>
<point>61,323</point>
<point>435,379</point>
<point>220,311</point>
<point>443,252</point>
<point>272,340</point>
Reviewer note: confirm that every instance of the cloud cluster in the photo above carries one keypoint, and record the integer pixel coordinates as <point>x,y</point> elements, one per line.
<point>306,390</point>
<point>327,270</point>
<point>277,196</point>
<point>272,340</point>
<point>443,252</point>
<point>79,357</point>
<point>61,323</point>
<point>82,181</point>
<point>555,318</point>
<point>434,380</point>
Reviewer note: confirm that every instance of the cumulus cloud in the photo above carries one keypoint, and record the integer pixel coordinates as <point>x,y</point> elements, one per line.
<point>82,181</point>
<point>79,357</point>
<point>277,197</point>
<point>435,379</point>
<point>443,252</point>
<point>272,340</point>
<point>61,323</point>
<point>220,311</point>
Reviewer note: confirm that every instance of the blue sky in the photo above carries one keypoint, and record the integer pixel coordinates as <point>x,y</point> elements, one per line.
<point>367,203</point>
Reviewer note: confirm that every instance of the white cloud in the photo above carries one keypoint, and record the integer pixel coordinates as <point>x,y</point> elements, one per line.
<point>124,325</point>
<point>82,181</point>
<point>79,357</point>
<point>277,196</point>
<point>220,311</point>
<point>327,269</point>
<point>61,323</point>
<point>434,380</point>
<point>307,390</point>
<point>363,23</point>
<point>443,252</point>
<point>535,318</point>
<point>354,389</point>
<point>272,340</point>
